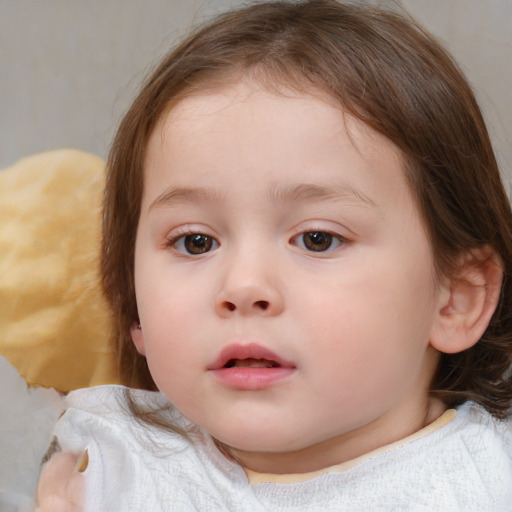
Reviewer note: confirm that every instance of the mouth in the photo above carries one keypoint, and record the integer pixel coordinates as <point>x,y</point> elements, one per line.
<point>248,356</point>
<point>250,368</point>
<point>251,363</point>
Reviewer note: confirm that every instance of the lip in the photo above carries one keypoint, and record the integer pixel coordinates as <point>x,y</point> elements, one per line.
<point>247,377</point>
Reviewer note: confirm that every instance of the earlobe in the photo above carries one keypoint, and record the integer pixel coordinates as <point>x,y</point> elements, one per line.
<point>468,301</point>
<point>138,338</point>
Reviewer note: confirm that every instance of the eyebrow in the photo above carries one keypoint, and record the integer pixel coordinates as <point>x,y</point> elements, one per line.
<point>277,193</point>
<point>172,196</point>
<point>313,192</point>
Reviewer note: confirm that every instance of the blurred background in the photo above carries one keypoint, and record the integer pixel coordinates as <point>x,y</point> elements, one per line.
<point>70,68</point>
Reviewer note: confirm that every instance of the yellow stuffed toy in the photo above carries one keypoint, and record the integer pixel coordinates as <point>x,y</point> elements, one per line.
<point>54,322</point>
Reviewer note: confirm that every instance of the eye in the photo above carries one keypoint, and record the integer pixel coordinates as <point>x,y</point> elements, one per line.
<point>194,244</point>
<point>318,241</point>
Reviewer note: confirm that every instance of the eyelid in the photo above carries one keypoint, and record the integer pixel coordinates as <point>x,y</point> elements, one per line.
<point>332,233</point>
<point>324,227</point>
<point>190,229</point>
<point>335,233</point>
<point>185,230</point>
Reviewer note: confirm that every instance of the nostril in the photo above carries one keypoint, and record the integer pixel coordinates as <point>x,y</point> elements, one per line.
<point>262,304</point>
<point>229,306</point>
<point>245,307</point>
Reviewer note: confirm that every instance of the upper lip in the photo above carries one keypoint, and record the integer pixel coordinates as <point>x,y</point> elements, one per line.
<point>250,351</point>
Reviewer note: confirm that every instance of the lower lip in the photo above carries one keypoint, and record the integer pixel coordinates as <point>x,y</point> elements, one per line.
<point>251,379</point>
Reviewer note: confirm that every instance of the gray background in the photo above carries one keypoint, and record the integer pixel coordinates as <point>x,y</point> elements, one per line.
<point>69,68</point>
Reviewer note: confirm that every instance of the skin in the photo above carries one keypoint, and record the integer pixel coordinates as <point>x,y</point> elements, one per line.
<point>253,171</point>
<point>61,485</point>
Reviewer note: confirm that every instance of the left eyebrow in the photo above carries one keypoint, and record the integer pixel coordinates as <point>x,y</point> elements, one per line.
<point>313,192</point>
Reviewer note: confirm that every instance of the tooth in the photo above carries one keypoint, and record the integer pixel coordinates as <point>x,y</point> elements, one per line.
<point>253,363</point>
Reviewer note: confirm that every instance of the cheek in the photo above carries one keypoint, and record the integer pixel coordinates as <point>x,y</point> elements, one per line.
<point>169,329</point>
<point>172,360</point>
<point>370,328</point>
<point>168,321</point>
<point>166,301</point>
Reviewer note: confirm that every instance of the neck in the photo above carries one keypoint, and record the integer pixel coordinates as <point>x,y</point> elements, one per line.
<point>340,448</point>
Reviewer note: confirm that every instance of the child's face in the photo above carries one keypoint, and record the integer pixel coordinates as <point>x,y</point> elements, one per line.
<point>284,280</point>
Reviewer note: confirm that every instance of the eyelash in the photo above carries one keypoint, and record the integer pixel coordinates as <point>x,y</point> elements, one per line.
<point>174,240</point>
<point>332,238</point>
<point>212,243</point>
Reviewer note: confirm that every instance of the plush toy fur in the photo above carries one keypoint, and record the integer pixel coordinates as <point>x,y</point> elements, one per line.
<point>54,321</point>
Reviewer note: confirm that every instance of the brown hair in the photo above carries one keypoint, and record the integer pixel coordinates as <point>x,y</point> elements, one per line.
<point>387,71</point>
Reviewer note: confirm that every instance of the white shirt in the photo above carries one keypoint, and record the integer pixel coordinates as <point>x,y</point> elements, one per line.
<point>462,462</point>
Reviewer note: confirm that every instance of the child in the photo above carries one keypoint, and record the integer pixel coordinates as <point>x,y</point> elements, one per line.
<point>308,251</point>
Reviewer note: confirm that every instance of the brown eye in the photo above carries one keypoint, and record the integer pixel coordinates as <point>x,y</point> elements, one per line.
<point>317,241</point>
<point>195,244</point>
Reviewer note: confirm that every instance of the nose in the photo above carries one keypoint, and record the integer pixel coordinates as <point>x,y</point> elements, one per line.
<point>250,290</point>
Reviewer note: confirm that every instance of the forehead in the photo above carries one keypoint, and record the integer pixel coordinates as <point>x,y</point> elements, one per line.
<point>284,137</point>
<point>246,103</point>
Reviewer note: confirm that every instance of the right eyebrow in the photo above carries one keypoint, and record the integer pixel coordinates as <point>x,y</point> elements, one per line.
<point>172,196</point>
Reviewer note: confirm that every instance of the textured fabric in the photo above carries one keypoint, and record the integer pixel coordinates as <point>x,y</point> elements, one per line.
<point>54,320</point>
<point>466,465</point>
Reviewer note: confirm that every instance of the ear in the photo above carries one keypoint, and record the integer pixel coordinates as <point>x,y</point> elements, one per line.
<point>468,301</point>
<point>138,338</point>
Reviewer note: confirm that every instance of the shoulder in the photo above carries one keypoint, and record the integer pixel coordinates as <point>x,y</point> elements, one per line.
<point>469,461</point>
<point>127,459</point>
<point>103,413</point>
<point>473,441</point>
<point>481,433</point>
<point>132,465</point>
<point>109,399</point>
<point>465,465</point>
